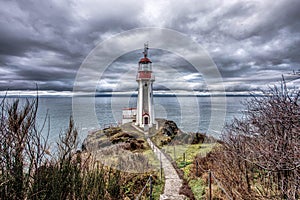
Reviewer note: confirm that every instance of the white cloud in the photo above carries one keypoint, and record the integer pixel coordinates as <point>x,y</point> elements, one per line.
<point>253,42</point>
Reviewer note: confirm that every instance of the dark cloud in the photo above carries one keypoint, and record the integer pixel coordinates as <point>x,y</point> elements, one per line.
<point>45,42</point>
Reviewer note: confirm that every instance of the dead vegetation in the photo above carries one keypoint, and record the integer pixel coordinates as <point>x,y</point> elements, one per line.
<point>29,171</point>
<point>260,156</point>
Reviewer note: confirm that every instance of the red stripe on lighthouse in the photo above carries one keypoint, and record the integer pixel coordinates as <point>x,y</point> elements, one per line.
<point>144,74</point>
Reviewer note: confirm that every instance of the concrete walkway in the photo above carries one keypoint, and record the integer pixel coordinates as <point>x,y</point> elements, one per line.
<point>173,182</point>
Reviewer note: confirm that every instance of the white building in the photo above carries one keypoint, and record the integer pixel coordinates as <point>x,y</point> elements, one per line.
<point>145,78</point>
<point>129,115</point>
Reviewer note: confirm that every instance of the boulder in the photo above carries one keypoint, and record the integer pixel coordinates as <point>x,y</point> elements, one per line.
<point>169,129</point>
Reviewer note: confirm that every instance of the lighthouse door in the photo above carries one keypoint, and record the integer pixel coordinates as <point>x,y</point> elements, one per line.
<point>146,120</point>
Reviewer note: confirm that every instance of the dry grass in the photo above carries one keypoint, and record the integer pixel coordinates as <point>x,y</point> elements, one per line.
<point>28,171</point>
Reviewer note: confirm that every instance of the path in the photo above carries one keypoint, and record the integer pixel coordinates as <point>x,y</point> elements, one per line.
<point>173,182</point>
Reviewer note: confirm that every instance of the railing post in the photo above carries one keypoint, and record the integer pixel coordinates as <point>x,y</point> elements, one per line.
<point>197,172</point>
<point>174,154</point>
<point>160,166</point>
<point>209,184</point>
<point>151,187</point>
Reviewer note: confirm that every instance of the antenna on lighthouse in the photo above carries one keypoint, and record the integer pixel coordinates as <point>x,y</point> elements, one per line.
<point>145,50</point>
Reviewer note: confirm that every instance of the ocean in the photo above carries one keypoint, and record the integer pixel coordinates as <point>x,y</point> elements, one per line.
<point>191,114</point>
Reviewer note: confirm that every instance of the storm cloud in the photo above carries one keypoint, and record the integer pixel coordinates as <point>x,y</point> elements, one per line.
<point>252,42</point>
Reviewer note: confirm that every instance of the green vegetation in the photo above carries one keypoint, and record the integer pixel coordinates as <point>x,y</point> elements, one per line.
<point>185,156</point>
<point>149,154</point>
<point>183,148</point>
<point>198,187</point>
<point>189,151</point>
<point>28,170</point>
<point>158,188</point>
<point>124,147</point>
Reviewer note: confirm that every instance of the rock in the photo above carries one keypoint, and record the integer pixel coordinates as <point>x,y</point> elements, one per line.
<point>133,144</point>
<point>165,141</point>
<point>120,137</point>
<point>83,146</point>
<point>169,129</point>
<point>111,131</point>
<point>102,144</point>
<point>140,141</point>
<point>198,138</point>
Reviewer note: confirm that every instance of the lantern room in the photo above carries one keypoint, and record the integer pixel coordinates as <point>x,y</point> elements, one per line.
<point>145,64</point>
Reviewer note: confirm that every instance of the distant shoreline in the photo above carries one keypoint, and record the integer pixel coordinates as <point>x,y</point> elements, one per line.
<point>126,95</point>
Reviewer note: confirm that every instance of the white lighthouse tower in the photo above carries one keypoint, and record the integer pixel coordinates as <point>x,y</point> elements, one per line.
<point>145,78</point>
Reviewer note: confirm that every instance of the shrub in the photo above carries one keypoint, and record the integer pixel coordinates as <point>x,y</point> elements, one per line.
<point>28,171</point>
<point>261,152</point>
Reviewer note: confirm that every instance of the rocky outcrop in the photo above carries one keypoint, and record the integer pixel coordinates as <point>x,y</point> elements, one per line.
<point>169,128</point>
<point>113,136</point>
<point>120,137</point>
<point>169,133</point>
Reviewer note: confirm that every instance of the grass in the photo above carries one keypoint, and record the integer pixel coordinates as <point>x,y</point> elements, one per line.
<point>149,154</point>
<point>189,152</point>
<point>158,188</point>
<point>198,188</point>
<point>131,186</point>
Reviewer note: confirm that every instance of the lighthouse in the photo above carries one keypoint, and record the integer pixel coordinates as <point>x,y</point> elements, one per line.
<point>145,78</point>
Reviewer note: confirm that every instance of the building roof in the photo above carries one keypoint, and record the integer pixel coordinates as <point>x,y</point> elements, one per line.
<point>129,108</point>
<point>145,60</point>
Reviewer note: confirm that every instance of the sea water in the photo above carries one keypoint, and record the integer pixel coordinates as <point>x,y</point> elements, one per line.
<point>191,114</point>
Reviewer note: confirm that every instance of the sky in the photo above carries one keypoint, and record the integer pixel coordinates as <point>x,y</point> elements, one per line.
<point>44,43</point>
